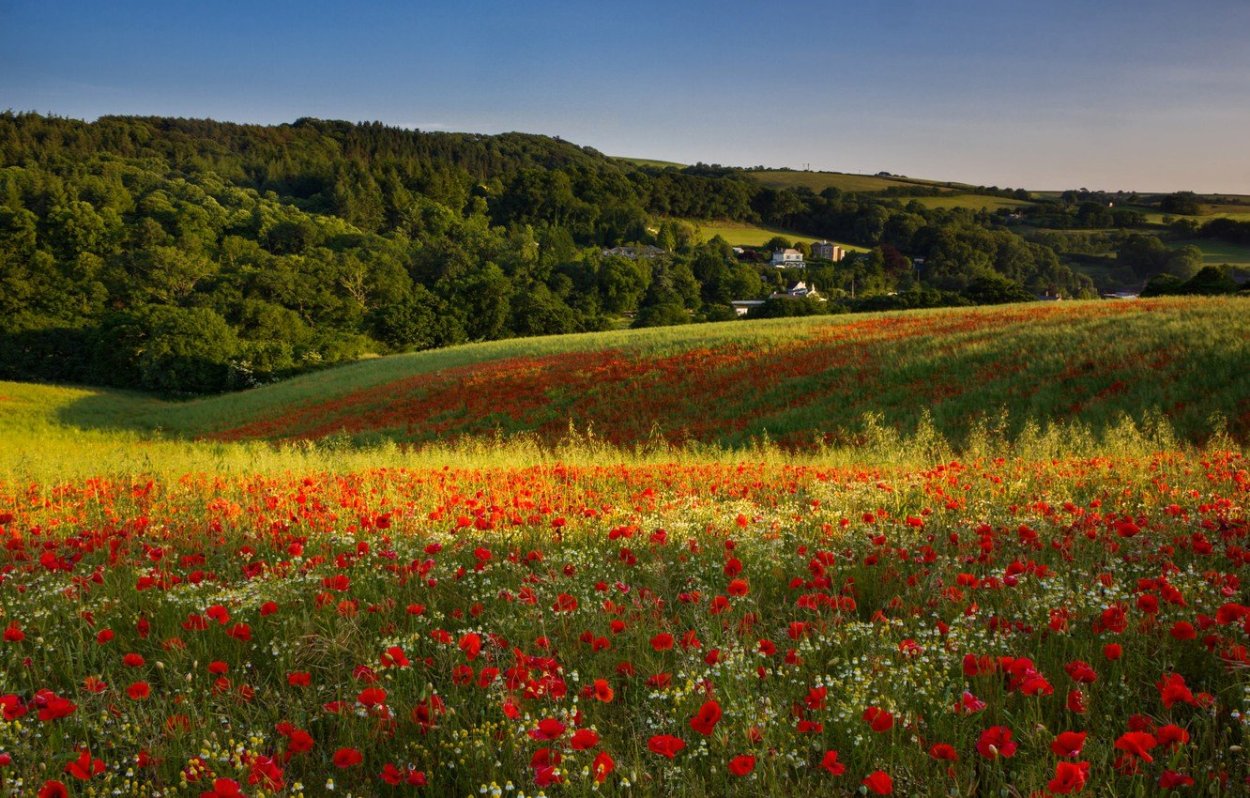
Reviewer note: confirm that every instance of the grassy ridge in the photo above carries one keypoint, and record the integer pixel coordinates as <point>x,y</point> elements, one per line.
<point>1183,364</point>
<point>745,234</point>
<point>819,181</point>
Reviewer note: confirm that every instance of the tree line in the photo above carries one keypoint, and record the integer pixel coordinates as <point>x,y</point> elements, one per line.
<point>189,256</point>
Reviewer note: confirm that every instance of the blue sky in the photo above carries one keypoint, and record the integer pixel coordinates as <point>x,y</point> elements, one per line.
<point>1137,95</point>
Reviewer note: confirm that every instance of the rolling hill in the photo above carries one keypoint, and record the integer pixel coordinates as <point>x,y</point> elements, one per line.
<point>801,383</point>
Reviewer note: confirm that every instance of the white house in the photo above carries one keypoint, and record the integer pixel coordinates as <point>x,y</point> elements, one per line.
<point>797,291</point>
<point>788,259</point>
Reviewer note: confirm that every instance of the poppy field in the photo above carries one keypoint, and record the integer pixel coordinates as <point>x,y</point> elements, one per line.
<point>696,629</point>
<point>229,597</point>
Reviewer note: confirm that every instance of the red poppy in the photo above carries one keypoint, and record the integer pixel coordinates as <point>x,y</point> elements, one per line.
<point>1069,777</point>
<point>84,767</point>
<point>879,782</point>
<point>1172,689</point>
<point>1171,780</point>
<point>138,691</point>
<point>224,788</point>
<point>666,745</point>
<point>706,718</point>
<point>53,789</point>
<point>1171,736</point>
<point>1137,744</point>
<point>583,739</point>
<point>548,729</point>
<point>602,766</point>
<point>603,691</point>
<point>943,751</point>
<point>995,742</point>
<point>830,763</point>
<point>662,642</point>
<point>879,720</point>
<point>742,765</point>
<point>1068,744</point>
<point>347,757</point>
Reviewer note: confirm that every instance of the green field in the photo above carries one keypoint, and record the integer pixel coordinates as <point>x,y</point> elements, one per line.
<point>649,162</point>
<point>1079,367</point>
<point>744,234</point>
<point>819,181</point>
<point>975,202</point>
<point>1217,253</point>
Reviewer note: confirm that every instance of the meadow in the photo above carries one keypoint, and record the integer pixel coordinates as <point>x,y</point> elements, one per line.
<point>991,552</point>
<point>745,234</point>
<point>819,181</point>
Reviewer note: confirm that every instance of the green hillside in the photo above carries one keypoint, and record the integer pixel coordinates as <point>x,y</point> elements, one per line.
<point>1180,364</point>
<point>819,181</point>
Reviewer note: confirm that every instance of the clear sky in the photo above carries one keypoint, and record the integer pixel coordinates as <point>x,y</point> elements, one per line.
<point>1106,94</point>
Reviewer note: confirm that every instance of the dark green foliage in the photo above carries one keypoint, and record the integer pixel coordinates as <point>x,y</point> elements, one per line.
<point>188,256</point>
<point>1209,281</point>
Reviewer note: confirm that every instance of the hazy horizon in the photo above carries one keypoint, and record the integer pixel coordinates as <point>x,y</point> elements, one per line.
<point>1123,96</point>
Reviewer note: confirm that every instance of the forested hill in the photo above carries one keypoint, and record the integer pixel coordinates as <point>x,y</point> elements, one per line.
<point>188,256</point>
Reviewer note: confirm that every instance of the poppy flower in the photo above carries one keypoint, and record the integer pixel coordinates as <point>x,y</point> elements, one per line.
<point>602,766</point>
<point>1172,689</point>
<point>548,729</point>
<point>879,782</point>
<point>944,751</point>
<point>53,789</point>
<point>1171,735</point>
<point>1171,780</point>
<point>1068,744</point>
<point>84,767</point>
<point>879,720</point>
<point>742,765</point>
<point>705,720</point>
<point>1069,777</point>
<point>583,739</point>
<point>995,742</point>
<point>347,757</point>
<point>666,745</point>
<point>662,641</point>
<point>830,763</point>
<point>603,691</point>
<point>224,788</point>
<point>138,691</point>
<point>1137,744</point>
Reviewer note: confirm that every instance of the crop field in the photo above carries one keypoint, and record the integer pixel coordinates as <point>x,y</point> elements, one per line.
<point>744,234</point>
<point>561,567</point>
<point>819,181</point>
<point>801,383</point>
<point>1216,252</point>
<point>975,202</point>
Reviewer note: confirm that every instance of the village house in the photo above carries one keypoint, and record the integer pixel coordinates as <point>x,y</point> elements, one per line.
<point>788,259</point>
<point>825,250</point>
<point>797,291</point>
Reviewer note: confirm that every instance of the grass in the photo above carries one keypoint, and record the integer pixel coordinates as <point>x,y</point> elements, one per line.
<point>974,202</point>
<point>819,181</point>
<point>1023,511</point>
<point>649,162</point>
<point>819,386</point>
<point>744,234</point>
<point>1216,252</point>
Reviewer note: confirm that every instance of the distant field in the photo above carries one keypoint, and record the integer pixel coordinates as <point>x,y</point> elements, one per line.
<point>797,381</point>
<point>819,181</point>
<point>972,202</point>
<point>649,162</point>
<point>742,234</point>
<point>1215,252</point>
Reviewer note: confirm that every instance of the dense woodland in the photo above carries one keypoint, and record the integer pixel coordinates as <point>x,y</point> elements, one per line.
<point>190,256</point>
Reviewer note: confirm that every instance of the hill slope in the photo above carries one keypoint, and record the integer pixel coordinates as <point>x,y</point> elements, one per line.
<point>796,381</point>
